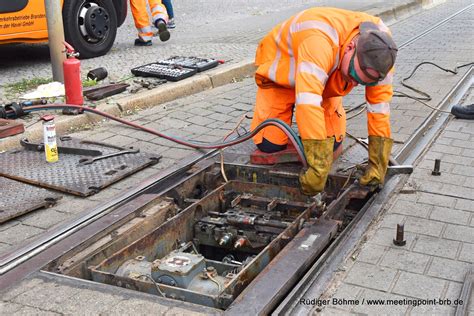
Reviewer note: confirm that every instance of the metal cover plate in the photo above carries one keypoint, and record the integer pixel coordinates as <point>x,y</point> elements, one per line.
<point>66,174</point>
<point>19,198</point>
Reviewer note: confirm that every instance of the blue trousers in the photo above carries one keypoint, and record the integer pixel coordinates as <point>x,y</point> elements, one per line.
<point>169,8</point>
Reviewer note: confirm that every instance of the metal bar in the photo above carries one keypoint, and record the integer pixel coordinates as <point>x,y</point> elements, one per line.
<point>54,19</point>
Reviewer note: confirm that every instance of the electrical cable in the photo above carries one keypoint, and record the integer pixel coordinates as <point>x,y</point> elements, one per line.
<point>154,282</point>
<point>293,137</point>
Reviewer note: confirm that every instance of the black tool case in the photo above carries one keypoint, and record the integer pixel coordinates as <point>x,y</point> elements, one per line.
<point>168,72</point>
<point>200,64</point>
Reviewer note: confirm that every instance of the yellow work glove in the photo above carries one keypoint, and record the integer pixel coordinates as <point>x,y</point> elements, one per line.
<point>319,157</point>
<point>379,154</point>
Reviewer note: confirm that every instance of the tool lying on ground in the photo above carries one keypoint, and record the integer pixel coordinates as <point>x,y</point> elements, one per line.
<point>25,143</point>
<point>10,128</point>
<point>88,161</point>
<point>103,91</point>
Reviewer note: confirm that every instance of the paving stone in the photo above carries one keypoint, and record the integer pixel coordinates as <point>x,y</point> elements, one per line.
<point>436,199</point>
<point>448,269</point>
<point>8,308</point>
<point>44,218</point>
<point>405,260</point>
<point>178,311</point>
<point>200,120</point>
<point>455,135</point>
<point>437,246</point>
<point>383,309</point>
<point>74,205</point>
<point>19,288</point>
<point>137,307</point>
<point>220,117</point>
<point>419,286</point>
<point>344,291</point>
<point>371,253</point>
<point>88,302</point>
<point>423,226</point>
<point>433,310</point>
<point>9,224</point>
<point>467,252</point>
<point>327,311</point>
<point>411,208</point>
<point>52,296</point>
<point>391,220</point>
<point>370,276</point>
<point>450,215</point>
<point>385,236</point>
<point>446,149</point>
<point>4,247</point>
<point>458,232</point>
<point>19,233</point>
<point>26,310</point>
<point>454,291</point>
<point>463,204</point>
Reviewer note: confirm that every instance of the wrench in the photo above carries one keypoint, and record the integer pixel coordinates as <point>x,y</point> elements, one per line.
<point>88,161</point>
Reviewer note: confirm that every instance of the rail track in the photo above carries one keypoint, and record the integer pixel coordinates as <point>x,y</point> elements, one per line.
<point>22,261</point>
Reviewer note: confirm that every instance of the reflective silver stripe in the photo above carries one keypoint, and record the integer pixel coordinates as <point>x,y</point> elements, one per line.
<point>291,73</point>
<point>383,108</point>
<point>387,80</point>
<point>313,69</point>
<point>383,27</point>
<point>146,29</point>
<point>273,68</point>
<point>317,25</point>
<point>161,16</point>
<point>145,37</point>
<point>308,98</point>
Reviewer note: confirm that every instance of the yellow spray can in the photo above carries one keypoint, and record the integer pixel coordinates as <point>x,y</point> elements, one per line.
<point>49,138</point>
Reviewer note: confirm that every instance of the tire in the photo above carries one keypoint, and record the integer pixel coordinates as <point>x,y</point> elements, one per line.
<point>90,26</point>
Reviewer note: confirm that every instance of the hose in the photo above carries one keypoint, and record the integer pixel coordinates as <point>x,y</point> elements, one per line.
<point>290,133</point>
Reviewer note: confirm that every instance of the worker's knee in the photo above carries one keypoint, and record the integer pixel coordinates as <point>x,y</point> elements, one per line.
<point>268,147</point>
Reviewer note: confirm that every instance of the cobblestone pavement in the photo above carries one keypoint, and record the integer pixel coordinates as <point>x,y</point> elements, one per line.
<point>221,29</point>
<point>439,245</point>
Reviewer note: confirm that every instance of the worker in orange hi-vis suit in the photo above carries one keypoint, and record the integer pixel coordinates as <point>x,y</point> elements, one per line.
<point>142,21</point>
<point>306,64</point>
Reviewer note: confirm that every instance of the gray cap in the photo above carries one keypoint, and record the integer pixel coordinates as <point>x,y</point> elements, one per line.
<point>375,49</point>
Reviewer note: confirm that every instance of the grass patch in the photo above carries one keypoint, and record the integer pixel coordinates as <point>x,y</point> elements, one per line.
<point>25,85</point>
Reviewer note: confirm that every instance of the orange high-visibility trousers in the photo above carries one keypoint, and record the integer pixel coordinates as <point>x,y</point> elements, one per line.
<point>141,18</point>
<point>278,102</point>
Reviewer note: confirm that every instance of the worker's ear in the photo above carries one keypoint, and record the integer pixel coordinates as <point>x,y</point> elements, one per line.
<point>350,46</point>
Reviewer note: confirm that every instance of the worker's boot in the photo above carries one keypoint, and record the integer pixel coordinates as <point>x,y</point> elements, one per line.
<point>463,111</point>
<point>140,42</point>
<point>163,32</point>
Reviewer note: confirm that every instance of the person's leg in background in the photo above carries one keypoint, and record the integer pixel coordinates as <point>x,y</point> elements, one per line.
<point>142,22</point>
<point>169,9</point>
<point>160,19</point>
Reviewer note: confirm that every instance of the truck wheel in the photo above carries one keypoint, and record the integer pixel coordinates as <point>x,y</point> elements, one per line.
<point>90,26</point>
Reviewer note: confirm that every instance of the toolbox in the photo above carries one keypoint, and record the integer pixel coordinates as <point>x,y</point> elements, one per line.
<point>200,64</point>
<point>168,72</point>
<point>175,68</point>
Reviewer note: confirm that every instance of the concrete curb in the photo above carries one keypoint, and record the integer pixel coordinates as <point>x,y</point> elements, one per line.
<point>171,91</point>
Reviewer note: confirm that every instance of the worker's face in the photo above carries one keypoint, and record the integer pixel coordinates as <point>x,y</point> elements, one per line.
<point>351,70</point>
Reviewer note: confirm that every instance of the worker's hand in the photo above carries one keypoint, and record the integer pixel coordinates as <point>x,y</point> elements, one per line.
<point>379,154</point>
<point>319,157</point>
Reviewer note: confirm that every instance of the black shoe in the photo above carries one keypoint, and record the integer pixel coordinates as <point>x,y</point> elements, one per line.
<point>163,32</point>
<point>140,42</point>
<point>463,111</point>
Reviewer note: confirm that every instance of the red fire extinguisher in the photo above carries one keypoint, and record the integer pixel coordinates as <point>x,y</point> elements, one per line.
<point>72,77</point>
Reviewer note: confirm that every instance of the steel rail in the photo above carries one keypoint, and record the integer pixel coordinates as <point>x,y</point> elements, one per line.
<point>315,282</point>
<point>12,260</point>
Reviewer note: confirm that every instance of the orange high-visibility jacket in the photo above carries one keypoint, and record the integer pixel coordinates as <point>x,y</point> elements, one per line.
<point>304,53</point>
